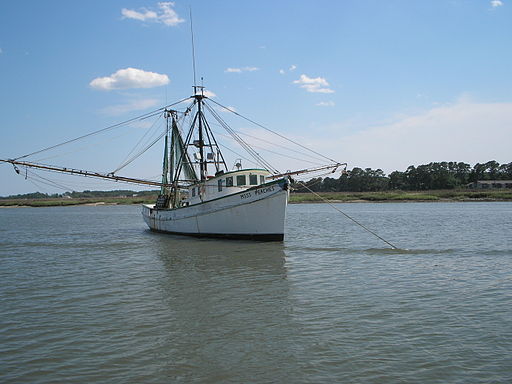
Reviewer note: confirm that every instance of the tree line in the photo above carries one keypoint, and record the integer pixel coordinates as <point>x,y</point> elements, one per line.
<point>84,194</point>
<point>441,175</point>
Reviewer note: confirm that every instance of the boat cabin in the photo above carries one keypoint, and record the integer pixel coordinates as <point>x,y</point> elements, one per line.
<point>224,184</point>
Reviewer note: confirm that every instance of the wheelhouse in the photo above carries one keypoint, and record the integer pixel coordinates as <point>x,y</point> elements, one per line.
<point>224,184</point>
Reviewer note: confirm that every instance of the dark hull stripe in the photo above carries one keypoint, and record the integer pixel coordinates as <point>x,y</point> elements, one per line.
<point>235,236</point>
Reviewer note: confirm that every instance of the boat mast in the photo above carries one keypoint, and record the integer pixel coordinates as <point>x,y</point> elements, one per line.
<point>202,162</point>
<point>165,165</point>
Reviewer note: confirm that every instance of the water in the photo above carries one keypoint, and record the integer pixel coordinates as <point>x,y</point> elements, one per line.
<point>87,294</point>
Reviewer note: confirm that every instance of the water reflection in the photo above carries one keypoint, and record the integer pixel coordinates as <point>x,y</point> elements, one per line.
<point>230,310</point>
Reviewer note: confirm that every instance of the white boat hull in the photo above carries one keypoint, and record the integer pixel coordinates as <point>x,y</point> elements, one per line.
<point>257,213</point>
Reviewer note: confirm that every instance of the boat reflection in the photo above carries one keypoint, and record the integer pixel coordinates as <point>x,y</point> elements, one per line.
<point>180,253</point>
<point>231,310</point>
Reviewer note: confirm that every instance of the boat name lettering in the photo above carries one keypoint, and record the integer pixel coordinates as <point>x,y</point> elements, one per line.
<point>265,190</point>
<point>245,195</point>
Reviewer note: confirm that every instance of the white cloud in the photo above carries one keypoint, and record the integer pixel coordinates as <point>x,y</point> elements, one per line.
<point>165,14</point>
<point>129,78</point>
<point>1,51</point>
<point>145,15</point>
<point>314,84</point>
<point>292,68</point>
<point>466,131</point>
<point>325,104</point>
<point>240,70</point>
<point>136,105</point>
<point>496,3</point>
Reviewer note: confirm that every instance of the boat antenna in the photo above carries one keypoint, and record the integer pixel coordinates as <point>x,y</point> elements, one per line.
<point>193,48</point>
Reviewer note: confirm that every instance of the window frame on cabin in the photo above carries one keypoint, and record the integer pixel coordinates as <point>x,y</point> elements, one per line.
<point>241,178</point>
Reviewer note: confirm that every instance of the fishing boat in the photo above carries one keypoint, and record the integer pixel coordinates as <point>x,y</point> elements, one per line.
<point>215,201</point>
<point>200,194</point>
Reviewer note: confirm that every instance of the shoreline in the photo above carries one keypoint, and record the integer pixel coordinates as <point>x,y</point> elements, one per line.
<point>444,196</point>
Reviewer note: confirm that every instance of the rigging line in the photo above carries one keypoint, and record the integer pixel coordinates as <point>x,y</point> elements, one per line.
<point>280,146</point>
<point>348,217</point>
<point>193,48</point>
<point>119,179</point>
<point>209,129</point>
<point>239,155</point>
<point>53,182</point>
<point>81,137</point>
<point>184,153</point>
<point>313,176</point>
<point>276,153</point>
<point>275,133</point>
<point>242,143</point>
<point>259,160</point>
<point>141,152</point>
<point>81,148</point>
<point>141,117</point>
<point>49,183</point>
<point>139,142</point>
<point>37,185</point>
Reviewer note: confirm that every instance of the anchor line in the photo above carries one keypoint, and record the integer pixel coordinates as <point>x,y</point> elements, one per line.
<point>350,218</point>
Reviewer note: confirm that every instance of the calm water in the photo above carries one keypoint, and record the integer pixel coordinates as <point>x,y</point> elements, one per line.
<point>88,295</point>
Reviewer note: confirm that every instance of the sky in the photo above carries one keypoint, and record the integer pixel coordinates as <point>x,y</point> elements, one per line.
<point>379,84</point>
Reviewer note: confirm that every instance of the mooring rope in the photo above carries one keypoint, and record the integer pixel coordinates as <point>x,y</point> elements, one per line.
<point>350,218</point>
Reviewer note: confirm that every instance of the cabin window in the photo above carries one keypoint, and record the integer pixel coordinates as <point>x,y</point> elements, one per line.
<point>193,192</point>
<point>240,180</point>
<point>219,185</point>
<point>229,181</point>
<point>262,179</point>
<point>253,179</point>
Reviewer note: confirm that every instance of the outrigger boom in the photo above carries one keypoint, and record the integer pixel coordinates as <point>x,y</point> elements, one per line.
<point>132,180</point>
<point>80,172</point>
<point>334,167</point>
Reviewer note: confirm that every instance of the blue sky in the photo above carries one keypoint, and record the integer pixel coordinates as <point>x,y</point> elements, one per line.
<point>380,84</point>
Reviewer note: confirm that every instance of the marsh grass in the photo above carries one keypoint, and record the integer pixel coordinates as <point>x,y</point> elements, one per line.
<point>441,195</point>
<point>390,196</point>
<point>59,202</point>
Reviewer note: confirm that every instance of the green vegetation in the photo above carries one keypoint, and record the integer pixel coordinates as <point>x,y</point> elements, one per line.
<point>428,177</point>
<point>66,201</point>
<point>85,194</point>
<point>393,196</point>
<point>439,195</point>
<point>445,181</point>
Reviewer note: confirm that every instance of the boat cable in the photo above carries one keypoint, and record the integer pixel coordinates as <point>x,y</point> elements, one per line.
<point>275,133</point>
<point>276,145</point>
<point>239,155</point>
<point>123,123</point>
<point>78,149</point>
<point>241,142</point>
<point>31,175</point>
<point>140,153</point>
<point>139,143</point>
<point>273,152</point>
<point>280,146</point>
<point>350,218</point>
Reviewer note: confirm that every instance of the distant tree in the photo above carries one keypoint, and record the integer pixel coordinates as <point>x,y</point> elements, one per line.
<point>505,171</point>
<point>397,180</point>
